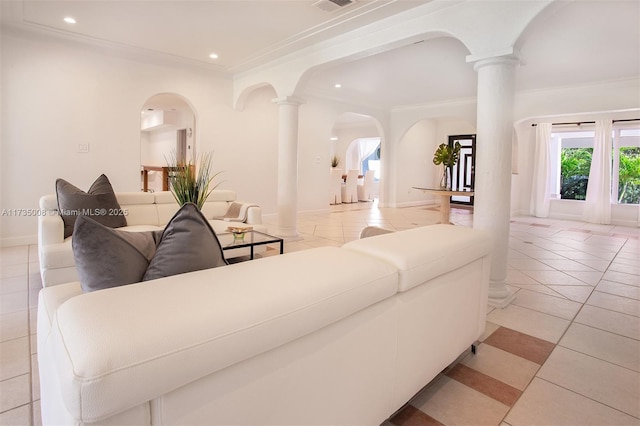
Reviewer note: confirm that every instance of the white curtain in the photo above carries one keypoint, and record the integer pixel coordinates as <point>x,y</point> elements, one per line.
<point>359,150</point>
<point>540,190</point>
<point>597,206</point>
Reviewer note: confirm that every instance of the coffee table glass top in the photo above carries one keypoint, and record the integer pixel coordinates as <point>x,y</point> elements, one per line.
<point>247,239</point>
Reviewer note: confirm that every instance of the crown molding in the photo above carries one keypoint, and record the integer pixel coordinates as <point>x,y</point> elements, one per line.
<point>30,29</point>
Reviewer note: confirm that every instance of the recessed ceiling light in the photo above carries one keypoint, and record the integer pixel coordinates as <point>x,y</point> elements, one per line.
<point>213,56</point>
<point>337,85</point>
<point>69,20</point>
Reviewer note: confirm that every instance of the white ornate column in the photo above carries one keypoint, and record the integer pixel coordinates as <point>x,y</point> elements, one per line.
<point>288,166</point>
<point>496,81</point>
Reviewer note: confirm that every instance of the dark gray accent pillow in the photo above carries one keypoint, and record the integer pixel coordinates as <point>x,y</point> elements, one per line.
<point>107,257</point>
<point>187,244</point>
<point>99,203</point>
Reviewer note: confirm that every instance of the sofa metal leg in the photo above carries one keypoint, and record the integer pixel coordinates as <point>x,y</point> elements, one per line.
<point>473,348</point>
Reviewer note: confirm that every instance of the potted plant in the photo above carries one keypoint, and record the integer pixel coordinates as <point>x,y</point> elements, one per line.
<point>189,184</point>
<point>335,161</point>
<point>448,156</point>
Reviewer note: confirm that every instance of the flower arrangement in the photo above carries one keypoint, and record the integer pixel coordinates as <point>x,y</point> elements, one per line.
<point>191,185</point>
<point>335,161</point>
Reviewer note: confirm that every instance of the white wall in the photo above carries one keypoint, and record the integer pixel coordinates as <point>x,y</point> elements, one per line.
<point>159,146</point>
<point>246,150</point>
<point>58,94</point>
<point>414,154</point>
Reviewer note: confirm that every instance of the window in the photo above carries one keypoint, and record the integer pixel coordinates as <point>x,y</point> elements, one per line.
<point>571,159</point>
<point>372,162</point>
<point>626,179</point>
<point>364,154</point>
<point>571,153</point>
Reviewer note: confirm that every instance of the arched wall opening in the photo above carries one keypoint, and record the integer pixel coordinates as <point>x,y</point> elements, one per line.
<point>414,156</point>
<point>355,140</point>
<point>167,136</point>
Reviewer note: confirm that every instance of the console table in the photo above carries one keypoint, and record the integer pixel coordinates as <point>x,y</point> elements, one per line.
<point>166,174</point>
<point>445,196</point>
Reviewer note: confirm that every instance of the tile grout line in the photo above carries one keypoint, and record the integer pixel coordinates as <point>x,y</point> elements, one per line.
<point>31,417</point>
<point>588,397</point>
<point>572,321</point>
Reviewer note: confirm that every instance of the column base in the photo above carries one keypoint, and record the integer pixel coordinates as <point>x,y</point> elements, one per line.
<point>500,295</point>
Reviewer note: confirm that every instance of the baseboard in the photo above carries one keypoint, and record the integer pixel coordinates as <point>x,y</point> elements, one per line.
<point>415,203</point>
<point>577,218</point>
<point>316,211</point>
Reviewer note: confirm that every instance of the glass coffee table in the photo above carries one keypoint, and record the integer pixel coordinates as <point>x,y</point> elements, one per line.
<point>250,239</point>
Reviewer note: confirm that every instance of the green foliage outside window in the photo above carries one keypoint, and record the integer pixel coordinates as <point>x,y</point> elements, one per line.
<point>629,177</point>
<point>575,164</point>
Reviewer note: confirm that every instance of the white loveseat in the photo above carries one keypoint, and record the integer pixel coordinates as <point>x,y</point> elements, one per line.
<point>326,336</point>
<point>145,211</point>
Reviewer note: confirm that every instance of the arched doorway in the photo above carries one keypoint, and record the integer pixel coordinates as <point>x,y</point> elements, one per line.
<point>356,143</point>
<point>167,134</point>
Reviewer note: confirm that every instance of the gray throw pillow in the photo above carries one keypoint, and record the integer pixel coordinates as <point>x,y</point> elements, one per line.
<point>187,244</point>
<point>107,257</point>
<point>99,203</point>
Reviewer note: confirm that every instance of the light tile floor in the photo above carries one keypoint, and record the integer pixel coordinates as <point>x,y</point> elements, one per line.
<point>565,352</point>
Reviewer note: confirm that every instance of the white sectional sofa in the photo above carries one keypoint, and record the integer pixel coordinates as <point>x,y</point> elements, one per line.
<point>145,211</point>
<point>326,336</point>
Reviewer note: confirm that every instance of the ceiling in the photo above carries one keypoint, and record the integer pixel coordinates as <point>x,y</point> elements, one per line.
<point>243,33</point>
<point>571,43</point>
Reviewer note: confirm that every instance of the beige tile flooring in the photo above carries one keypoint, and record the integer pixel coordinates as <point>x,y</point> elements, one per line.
<point>578,290</point>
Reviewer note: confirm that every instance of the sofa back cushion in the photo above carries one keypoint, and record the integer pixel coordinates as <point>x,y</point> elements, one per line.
<point>139,208</point>
<point>166,205</point>
<point>226,195</point>
<point>216,205</point>
<point>429,251</point>
<point>215,209</point>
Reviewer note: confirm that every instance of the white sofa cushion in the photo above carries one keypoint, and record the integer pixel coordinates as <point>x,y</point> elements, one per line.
<point>222,195</point>
<point>166,205</point>
<point>49,301</point>
<point>434,250</point>
<point>139,208</point>
<point>211,320</point>
<point>57,255</point>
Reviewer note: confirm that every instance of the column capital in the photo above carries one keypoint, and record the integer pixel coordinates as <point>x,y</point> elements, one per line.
<point>288,100</point>
<point>509,56</point>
